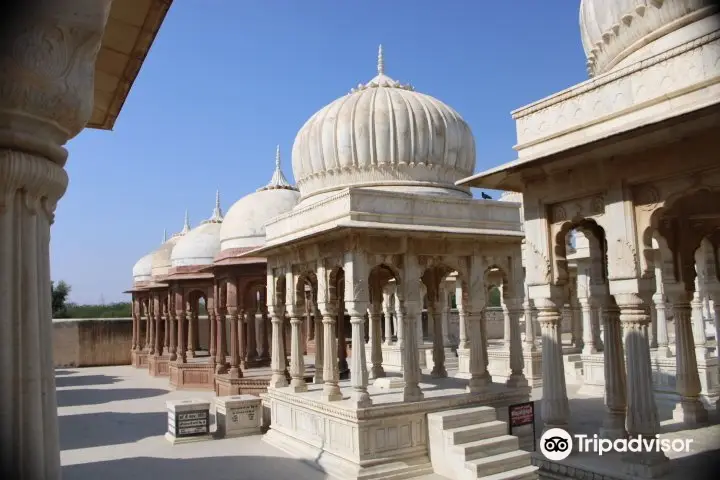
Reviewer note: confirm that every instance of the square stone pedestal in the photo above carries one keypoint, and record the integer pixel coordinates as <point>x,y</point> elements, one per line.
<point>238,415</point>
<point>139,359</point>
<point>188,421</point>
<point>197,374</point>
<point>386,440</point>
<point>159,365</point>
<point>392,356</point>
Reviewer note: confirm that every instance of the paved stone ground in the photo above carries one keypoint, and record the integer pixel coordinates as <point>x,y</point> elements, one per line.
<point>113,420</point>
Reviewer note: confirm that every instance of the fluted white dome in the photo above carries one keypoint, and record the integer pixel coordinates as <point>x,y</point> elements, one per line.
<point>618,32</point>
<point>244,224</point>
<point>142,270</point>
<point>386,135</point>
<point>200,245</point>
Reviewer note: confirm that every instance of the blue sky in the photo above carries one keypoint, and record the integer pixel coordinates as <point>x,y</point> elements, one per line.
<point>228,80</point>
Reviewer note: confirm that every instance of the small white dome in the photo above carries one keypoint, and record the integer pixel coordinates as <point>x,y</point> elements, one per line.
<point>200,245</point>
<point>142,270</point>
<point>244,224</point>
<point>384,135</point>
<point>161,261</point>
<point>615,30</point>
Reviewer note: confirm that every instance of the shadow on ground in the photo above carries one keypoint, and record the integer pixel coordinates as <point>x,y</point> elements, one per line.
<point>217,468</point>
<point>97,396</point>
<point>85,380</point>
<point>109,428</point>
<point>64,372</point>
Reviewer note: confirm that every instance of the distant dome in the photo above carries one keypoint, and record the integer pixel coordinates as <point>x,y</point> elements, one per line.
<point>200,245</point>
<point>161,261</point>
<point>142,270</point>
<point>244,224</point>
<point>386,135</point>
<point>617,32</point>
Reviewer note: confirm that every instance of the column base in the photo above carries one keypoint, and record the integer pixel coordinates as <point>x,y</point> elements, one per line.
<point>690,412</point>
<point>331,393</point>
<point>515,381</point>
<point>360,399</point>
<point>663,352</point>
<point>298,386</point>
<point>376,371</point>
<point>645,464</point>
<point>439,372</point>
<point>412,394</point>
<point>318,378</point>
<point>278,380</point>
<point>613,426</point>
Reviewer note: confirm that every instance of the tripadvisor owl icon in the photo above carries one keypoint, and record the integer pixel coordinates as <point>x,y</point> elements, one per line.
<point>556,444</point>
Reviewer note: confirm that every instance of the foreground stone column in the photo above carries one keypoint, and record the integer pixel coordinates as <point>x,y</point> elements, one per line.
<point>615,378</point>
<point>180,313</point>
<point>277,357</point>
<point>408,312</point>
<point>438,352</point>
<point>376,356</point>
<point>690,409</point>
<point>297,362</point>
<point>555,406</point>
<point>319,347</point>
<point>47,63</point>
<point>360,397</point>
<point>517,362</point>
<point>331,375</point>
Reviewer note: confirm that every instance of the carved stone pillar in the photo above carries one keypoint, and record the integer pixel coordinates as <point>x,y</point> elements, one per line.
<point>158,319</point>
<point>698,323</point>
<point>180,313</point>
<point>221,353</point>
<point>387,314</point>
<point>517,362</point>
<point>212,319</point>
<point>663,349</point>
<point>166,327</point>
<point>358,372</point>
<point>331,390</point>
<point>506,321</point>
<point>150,345</point>
<point>586,309</point>
<point>135,318</point>
<point>577,324</point>
<point>690,409</point>
<point>297,362</point>
<point>408,312</point>
<point>319,346</point>
<point>251,353</point>
<point>47,65</point>
<point>173,325</point>
<point>444,309</point>
<point>376,355</point>
<point>232,311</point>
<point>479,376</point>
<point>462,320</point>
<point>191,328</point>
<point>615,379</point>
<point>555,406</point>
<point>307,324</point>
<point>434,311</point>
<point>265,336</point>
<point>277,361</point>
<point>529,324</point>
<point>341,341</point>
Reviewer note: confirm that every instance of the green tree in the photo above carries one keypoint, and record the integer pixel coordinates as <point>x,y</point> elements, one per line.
<point>494,297</point>
<point>60,294</point>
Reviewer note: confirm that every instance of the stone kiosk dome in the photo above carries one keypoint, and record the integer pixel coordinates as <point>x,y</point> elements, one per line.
<point>244,224</point>
<point>161,261</point>
<point>142,270</point>
<point>383,134</point>
<point>616,33</point>
<point>200,245</point>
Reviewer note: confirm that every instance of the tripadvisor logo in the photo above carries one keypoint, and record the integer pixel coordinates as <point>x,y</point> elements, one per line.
<point>557,444</point>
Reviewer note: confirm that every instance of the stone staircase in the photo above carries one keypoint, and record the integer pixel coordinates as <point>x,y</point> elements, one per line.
<point>470,443</point>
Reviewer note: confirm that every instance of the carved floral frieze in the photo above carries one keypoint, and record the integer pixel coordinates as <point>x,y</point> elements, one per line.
<point>572,210</point>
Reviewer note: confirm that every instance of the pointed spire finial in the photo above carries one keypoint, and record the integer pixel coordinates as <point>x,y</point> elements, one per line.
<point>164,235</point>
<point>217,215</point>
<point>277,158</point>
<point>278,180</point>
<point>381,61</point>
<point>186,226</point>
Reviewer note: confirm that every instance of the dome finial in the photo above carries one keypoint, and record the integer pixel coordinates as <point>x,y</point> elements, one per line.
<point>217,215</point>
<point>381,61</point>
<point>278,180</point>
<point>186,225</point>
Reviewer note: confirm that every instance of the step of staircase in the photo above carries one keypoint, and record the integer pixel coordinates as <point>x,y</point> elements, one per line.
<point>463,417</point>
<point>473,433</point>
<point>487,447</point>
<point>494,464</point>
<point>523,473</point>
